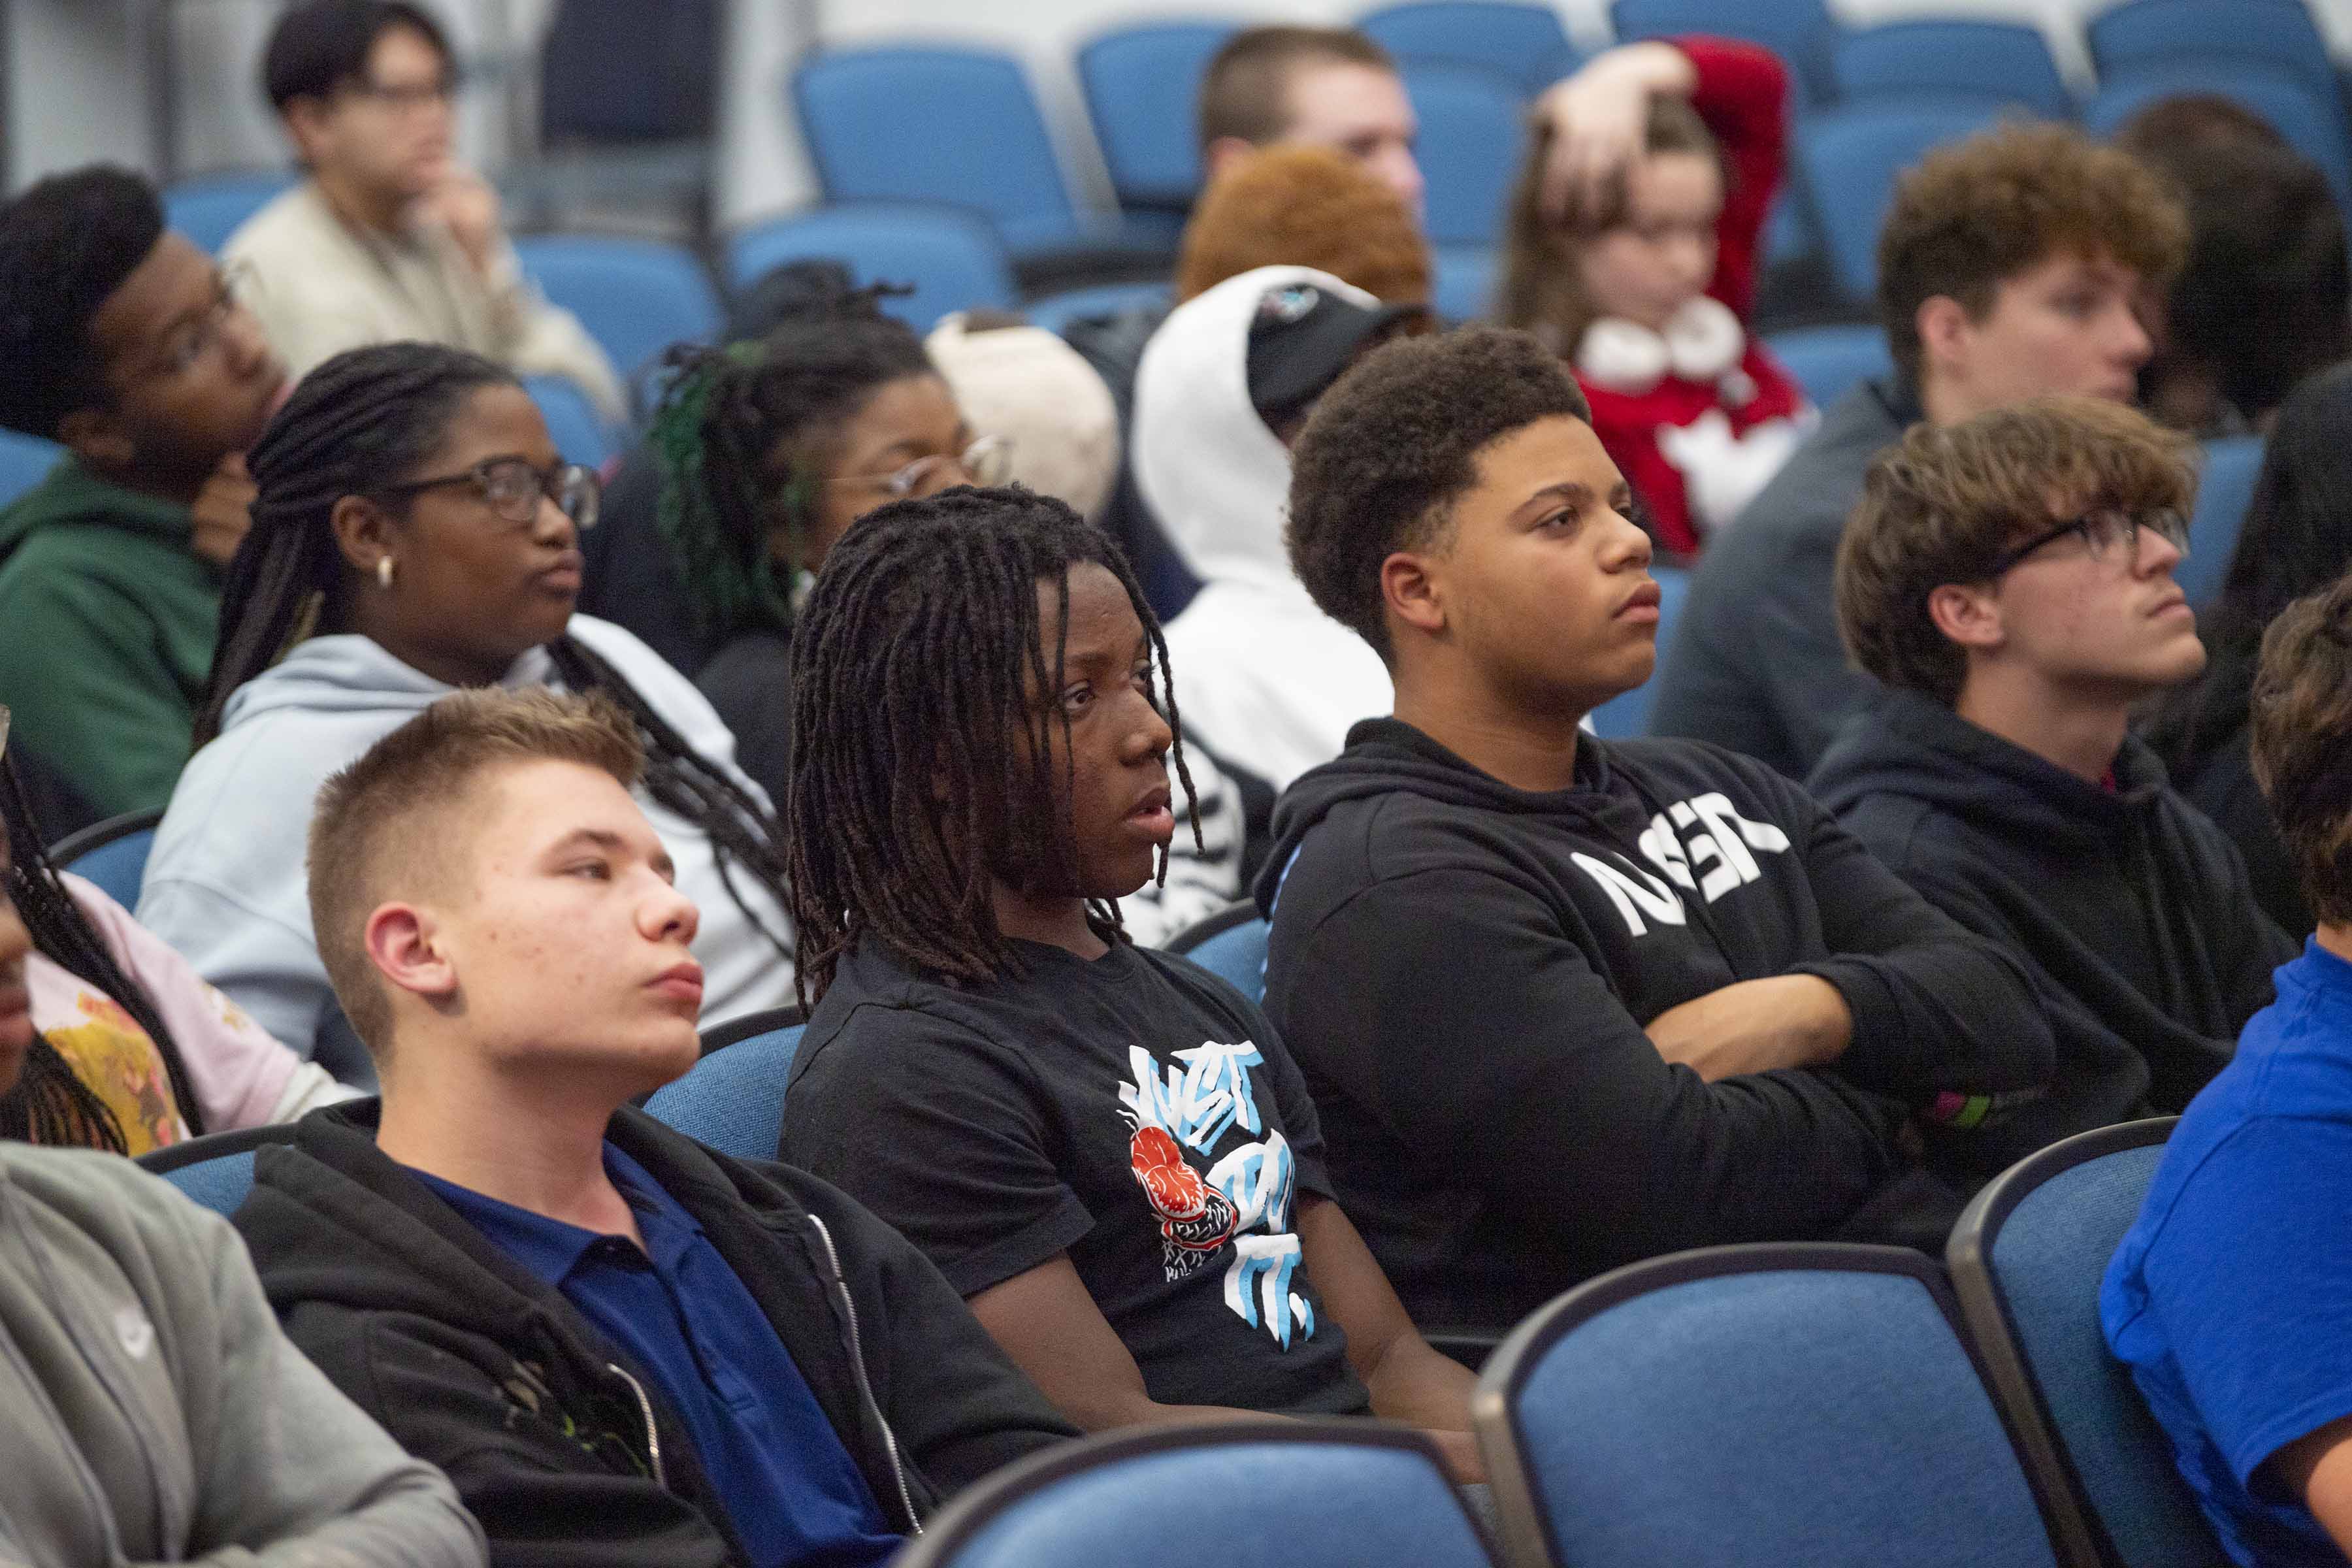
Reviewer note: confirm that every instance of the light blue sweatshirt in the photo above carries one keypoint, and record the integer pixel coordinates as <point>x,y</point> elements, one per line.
<point>226,884</point>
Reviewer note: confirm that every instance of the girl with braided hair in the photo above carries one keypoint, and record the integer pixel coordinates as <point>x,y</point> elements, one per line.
<point>130,1050</point>
<point>417,532</point>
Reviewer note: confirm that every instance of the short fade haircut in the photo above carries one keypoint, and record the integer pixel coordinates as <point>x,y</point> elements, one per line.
<point>66,244</point>
<point>1970,215</point>
<point>2301,743</point>
<point>390,798</point>
<point>1939,506</point>
<point>321,45</point>
<point>1394,443</point>
<point>1245,91</point>
<point>1304,206</point>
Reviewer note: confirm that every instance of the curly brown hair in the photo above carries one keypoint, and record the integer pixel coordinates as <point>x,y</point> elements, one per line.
<point>1969,215</point>
<point>2301,743</point>
<point>1304,206</point>
<point>1391,446</point>
<point>1937,507</point>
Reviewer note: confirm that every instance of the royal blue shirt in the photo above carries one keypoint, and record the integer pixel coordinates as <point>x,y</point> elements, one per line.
<point>2231,1299</point>
<point>787,1484</point>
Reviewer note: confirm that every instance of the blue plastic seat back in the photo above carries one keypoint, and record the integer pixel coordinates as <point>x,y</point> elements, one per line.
<point>1828,361</point>
<point>1627,715</point>
<point>1268,1498</point>
<point>2047,1261</point>
<point>112,854</point>
<point>208,210</point>
<point>1235,955</point>
<point>1142,86</point>
<point>635,297</point>
<point>1524,43</point>
<point>579,433</point>
<point>2225,488</point>
<point>2312,120</point>
<point>24,461</point>
<point>1055,313</point>
<point>1822,1414</point>
<point>1473,137</point>
<point>734,1099</point>
<point>1463,286</point>
<point>1799,31</point>
<point>2281,33</point>
<point>951,258</point>
<point>219,1184</point>
<point>937,124</point>
<point>2004,61</point>
<point>1850,158</point>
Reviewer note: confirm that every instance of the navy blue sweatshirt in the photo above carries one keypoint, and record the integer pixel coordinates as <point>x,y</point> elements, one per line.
<point>1464,969</point>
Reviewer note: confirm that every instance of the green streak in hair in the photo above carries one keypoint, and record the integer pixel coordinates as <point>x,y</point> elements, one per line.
<point>730,577</point>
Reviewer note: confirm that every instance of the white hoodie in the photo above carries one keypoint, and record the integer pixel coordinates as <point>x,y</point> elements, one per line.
<point>1264,679</point>
<point>226,884</point>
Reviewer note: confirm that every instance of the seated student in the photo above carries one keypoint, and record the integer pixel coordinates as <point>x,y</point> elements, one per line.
<point>389,237</point>
<point>2293,542</point>
<point>1027,388</point>
<point>1269,683</point>
<point>1643,280</point>
<point>134,1051</point>
<point>2226,1299</point>
<point>1565,1004</point>
<point>2011,265</point>
<point>156,1413</point>
<point>2008,580</point>
<point>123,343</point>
<point>624,1347</point>
<point>1104,1149</point>
<point>416,533</point>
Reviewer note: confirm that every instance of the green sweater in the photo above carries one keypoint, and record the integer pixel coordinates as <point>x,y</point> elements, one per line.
<point>107,622</point>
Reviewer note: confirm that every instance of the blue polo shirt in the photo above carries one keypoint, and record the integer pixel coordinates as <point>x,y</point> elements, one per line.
<point>790,1489</point>
<point>2230,1298</point>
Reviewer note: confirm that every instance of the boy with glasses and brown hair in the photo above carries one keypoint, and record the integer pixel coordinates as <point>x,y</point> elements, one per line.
<point>391,237</point>
<point>2008,581</point>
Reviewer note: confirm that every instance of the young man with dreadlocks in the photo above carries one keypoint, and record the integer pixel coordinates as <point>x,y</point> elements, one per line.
<point>134,1050</point>
<point>1106,1148</point>
<point>416,533</point>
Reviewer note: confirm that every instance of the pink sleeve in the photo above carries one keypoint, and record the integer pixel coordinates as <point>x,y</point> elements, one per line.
<point>1742,93</point>
<point>239,1069</point>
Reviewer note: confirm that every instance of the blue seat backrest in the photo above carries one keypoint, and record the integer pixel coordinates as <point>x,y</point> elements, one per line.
<point>2047,1261</point>
<point>1237,956</point>
<point>118,867</point>
<point>208,210</point>
<point>734,1099</point>
<point>2310,118</point>
<point>1627,715</point>
<point>635,297</point>
<point>2225,488</point>
<point>949,257</point>
<point>1055,313</point>
<point>1472,137</point>
<point>1828,361</point>
<point>24,461</point>
<point>1799,31</point>
<point>219,1184</point>
<point>1143,88</point>
<point>1849,158</point>
<point>579,433</point>
<point>2005,61</point>
<point>1827,1416</point>
<point>1525,43</point>
<point>2281,33</point>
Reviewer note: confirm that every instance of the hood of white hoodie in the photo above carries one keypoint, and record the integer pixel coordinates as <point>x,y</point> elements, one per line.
<point>1213,474</point>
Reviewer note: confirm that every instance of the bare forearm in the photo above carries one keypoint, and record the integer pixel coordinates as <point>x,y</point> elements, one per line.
<point>1122,1407</point>
<point>1756,1025</point>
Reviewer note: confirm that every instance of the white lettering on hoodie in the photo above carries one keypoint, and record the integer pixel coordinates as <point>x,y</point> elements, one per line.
<point>1702,844</point>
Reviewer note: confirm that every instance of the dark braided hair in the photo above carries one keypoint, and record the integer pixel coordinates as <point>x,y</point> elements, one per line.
<point>825,350</point>
<point>372,417</point>
<point>919,657</point>
<point>50,1103</point>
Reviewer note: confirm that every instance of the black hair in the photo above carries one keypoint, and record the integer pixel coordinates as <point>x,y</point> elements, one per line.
<point>1394,442</point>
<point>67,243</point>
<point>50,1104</point>
<point>369,418</point>
<point>2295,541</point>
<point>824,349</point>
<point>324,45</point>
<point>918,657</point>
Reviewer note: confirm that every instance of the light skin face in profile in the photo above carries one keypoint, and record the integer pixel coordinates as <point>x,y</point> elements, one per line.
<point>2068,323</point>
<point>1357,109</point>
<point>1661,257</point>
<point>904,422</point>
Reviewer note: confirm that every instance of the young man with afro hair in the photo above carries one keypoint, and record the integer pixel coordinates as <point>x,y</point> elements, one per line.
<point>125,345</point>
<point>1563,1002</point>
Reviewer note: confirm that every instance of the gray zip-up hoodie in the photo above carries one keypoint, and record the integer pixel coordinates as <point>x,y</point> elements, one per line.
<point>156,1413</point>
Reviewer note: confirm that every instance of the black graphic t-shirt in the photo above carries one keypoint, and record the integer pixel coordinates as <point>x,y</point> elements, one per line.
<point>1134,1111</point>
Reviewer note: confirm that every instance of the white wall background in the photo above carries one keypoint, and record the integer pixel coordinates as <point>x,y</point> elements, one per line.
<point>77,88</point>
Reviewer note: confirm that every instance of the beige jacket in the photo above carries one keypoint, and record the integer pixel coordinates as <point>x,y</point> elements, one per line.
<point>321,287</point>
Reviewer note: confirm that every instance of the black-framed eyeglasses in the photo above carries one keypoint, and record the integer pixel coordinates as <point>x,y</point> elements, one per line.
<point>405,98</point>
<point>511,486</point>
<point>2102,531</point>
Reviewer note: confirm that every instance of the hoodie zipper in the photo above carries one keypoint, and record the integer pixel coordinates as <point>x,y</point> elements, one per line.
<point>865,1388</point>
<point>653,1432</point>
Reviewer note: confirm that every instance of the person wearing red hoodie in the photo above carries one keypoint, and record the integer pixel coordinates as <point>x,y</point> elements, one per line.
<point>1633,249</point>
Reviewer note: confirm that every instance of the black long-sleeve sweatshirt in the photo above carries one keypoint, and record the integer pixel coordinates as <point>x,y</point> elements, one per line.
<point>1464,969</point>
<point>2131,910</point>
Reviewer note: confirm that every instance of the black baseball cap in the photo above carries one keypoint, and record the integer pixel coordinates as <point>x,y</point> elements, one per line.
<point>1303,337</point>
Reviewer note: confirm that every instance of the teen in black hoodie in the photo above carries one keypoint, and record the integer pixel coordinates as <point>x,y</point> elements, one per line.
<point>1563,1004</point>
<point>1995,772</point>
